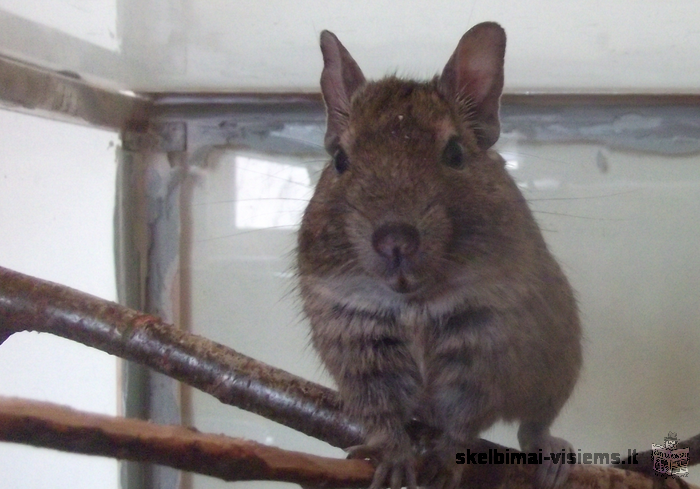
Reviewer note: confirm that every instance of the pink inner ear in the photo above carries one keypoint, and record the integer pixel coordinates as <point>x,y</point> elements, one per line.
<point>478,75</point>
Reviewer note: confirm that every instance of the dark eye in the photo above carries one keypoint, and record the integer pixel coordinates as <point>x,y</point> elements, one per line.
<point>453,154</point>
<point>340,161</point>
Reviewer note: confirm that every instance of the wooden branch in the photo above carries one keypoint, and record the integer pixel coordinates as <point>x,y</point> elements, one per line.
<point>231,459</point>
<point>31,304</point>
<point>52,426</point>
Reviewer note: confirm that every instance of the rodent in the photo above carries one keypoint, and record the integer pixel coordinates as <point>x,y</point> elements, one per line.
<point>429,287</point>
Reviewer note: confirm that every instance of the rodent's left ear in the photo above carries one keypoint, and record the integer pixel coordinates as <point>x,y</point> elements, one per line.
<point>340,78</point>
<point>473,78</point>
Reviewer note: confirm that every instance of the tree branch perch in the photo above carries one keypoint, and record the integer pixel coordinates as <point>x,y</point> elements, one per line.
<point>30,304</point>
<point>52,426</point>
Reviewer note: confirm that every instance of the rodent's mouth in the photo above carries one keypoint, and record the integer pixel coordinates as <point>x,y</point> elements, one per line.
<point>403,285</point>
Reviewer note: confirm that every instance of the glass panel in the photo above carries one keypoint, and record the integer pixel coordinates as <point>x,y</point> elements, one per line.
<point>621,216</point>
<point>245,212</point>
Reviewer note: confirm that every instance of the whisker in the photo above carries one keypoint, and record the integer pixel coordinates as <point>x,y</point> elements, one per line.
<point>272,176</point>
<point>229,201</point>
<point>590,197</point>
<point>538,157</point>
<point>304,142</point>
<point>291,228</point>
<point>589,218</point>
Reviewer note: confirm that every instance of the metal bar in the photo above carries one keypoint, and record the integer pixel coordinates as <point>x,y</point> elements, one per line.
<point>67,97</point>
<point>192,100</point>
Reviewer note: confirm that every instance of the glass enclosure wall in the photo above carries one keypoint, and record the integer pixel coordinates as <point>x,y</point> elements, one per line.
<point>616,191</point>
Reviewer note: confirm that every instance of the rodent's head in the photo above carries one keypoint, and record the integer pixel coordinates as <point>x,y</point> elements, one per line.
<point>413,203</point>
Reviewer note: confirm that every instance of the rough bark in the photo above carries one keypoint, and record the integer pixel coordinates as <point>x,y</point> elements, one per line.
<point>52,426</point>
<point>31,304</point>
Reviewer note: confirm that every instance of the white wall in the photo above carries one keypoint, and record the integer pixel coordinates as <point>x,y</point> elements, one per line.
<point>57,184</point>
<point>92,21</point>
<point>553,45</point>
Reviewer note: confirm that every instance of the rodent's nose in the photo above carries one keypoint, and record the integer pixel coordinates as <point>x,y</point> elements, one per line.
<point>396,242</point>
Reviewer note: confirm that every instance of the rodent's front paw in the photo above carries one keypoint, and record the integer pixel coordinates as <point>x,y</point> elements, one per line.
<point>395,466</point>
<point>440,469</point>
<point>552,474</point>
<point>447,477</point>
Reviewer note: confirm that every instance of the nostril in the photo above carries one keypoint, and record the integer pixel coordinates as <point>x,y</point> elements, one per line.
<point>396,242</point>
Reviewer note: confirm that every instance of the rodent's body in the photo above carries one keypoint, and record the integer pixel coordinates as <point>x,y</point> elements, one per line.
<point>429,287</point>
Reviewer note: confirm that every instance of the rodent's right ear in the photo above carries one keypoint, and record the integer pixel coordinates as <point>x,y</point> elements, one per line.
<point>340,78</point>
<point>473,77</point>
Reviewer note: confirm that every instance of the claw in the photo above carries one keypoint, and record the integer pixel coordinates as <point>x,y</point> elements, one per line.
<point>397,477</point>
<point>550,474</point>
<point>440,469</point>
<point>411,481</point>
<point>394,469</point>
<point>364,452</point>
<point>380,476</point>
<point>447,478</point>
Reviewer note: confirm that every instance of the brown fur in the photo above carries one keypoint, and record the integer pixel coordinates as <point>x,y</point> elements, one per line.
<point>479,324</point>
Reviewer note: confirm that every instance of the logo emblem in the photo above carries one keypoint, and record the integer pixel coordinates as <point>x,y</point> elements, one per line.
<point>670,460</point>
